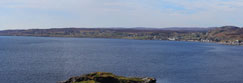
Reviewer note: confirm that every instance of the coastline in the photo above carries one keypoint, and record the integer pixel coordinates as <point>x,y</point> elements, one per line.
<point>227,35</point>
<point>222,43</point>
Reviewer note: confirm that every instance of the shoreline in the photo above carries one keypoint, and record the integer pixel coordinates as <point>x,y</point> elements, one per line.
<point>221,43</point>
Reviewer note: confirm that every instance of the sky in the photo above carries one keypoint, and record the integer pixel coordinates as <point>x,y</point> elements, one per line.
<point>29,14</point>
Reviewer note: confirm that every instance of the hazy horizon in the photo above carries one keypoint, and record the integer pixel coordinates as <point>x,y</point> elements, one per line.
<point>45,14</point>
<point>123,27</point>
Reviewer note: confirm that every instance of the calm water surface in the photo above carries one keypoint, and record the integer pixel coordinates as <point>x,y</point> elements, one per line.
<point>48,60</point>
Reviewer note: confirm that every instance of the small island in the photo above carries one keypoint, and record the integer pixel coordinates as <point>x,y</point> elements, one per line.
<point>105,77</point>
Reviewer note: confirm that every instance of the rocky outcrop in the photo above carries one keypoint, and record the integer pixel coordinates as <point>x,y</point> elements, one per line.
<point>104,77</point>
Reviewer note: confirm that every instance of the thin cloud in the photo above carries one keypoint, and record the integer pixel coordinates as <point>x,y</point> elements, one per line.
<point>119,13</point>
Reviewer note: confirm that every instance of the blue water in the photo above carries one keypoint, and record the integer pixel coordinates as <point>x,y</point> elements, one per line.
<point>48,60</point>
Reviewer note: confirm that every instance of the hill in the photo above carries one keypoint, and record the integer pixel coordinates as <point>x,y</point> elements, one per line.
<point>226,34</point>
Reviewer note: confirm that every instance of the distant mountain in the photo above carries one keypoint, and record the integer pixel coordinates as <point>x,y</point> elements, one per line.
<point>186,29</point>
<point>173,28</point>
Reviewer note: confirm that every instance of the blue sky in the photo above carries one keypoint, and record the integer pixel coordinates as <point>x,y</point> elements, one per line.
<point>26,14</point>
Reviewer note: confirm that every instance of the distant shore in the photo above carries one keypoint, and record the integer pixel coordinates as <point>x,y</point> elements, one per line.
<point>144,39</point>
<point>228,35</point>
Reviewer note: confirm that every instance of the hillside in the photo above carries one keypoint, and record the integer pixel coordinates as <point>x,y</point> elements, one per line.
<point>226,34</point>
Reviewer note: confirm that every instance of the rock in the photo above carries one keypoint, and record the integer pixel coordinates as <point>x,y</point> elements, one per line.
<point>104,77</point>
<point>149,80</point>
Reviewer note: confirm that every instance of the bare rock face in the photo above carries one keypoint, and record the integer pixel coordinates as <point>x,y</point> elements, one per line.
<point>104,77</point>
